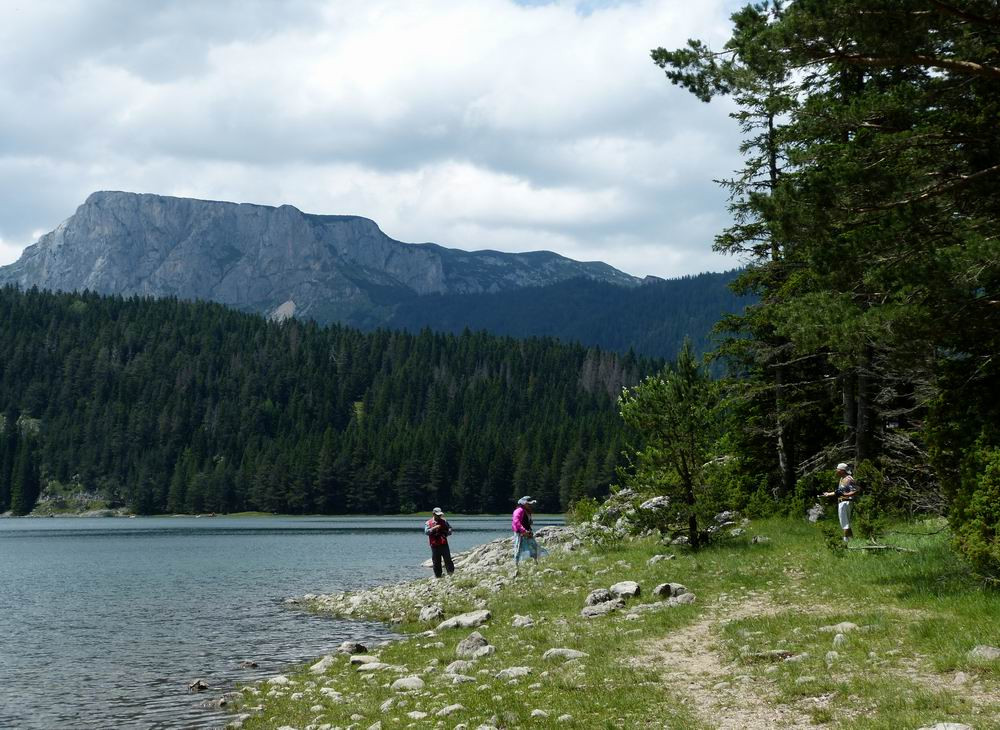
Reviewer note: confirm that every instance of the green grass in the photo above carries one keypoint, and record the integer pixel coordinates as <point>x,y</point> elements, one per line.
<point>919,615</point>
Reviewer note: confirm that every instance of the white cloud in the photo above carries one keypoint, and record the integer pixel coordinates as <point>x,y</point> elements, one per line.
<point>475,125</point>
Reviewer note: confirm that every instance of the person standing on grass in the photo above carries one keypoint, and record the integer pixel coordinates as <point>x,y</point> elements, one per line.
<point>525,544</point>
<point>845,493</point>
<point>437,530</point>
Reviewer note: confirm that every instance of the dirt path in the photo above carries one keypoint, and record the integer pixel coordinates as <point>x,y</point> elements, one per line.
<point>692,665</point>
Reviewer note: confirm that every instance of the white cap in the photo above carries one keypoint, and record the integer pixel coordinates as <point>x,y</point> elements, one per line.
<point>437,511</point>
<point>841,466</point>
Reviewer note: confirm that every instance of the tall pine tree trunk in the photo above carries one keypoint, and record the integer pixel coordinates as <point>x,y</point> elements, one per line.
<point>864,443</point>
<point>786,444</point>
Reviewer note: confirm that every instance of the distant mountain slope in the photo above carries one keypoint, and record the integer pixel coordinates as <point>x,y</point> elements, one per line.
<point>652,319</point>
<point>263,259</point>
<point>283,263</point>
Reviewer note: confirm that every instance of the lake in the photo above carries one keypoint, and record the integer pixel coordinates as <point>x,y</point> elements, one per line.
<point>105,621</point>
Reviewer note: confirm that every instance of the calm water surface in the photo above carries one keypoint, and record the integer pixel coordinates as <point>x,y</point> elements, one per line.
<point>104,622</point>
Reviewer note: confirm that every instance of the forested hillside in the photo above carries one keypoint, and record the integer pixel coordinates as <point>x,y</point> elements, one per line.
<point>653,319</point>
<point>170,406</point>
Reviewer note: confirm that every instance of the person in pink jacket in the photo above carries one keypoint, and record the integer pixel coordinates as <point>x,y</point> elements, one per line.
<point>525,544</point>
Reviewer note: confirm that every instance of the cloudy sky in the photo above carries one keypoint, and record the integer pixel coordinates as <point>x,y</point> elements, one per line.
<point>471,123</point>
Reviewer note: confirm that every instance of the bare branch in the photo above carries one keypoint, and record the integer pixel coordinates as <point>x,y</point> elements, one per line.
<point>965,15</point>
<point>970,68</point>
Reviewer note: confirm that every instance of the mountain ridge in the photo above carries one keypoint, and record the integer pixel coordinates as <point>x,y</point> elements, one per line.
<point>258,258</point>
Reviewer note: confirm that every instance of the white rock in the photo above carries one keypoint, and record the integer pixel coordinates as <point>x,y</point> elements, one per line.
<point>839,639</point>
<point>564,718</point>
<point>377,725</point>
<point>657,558</point>
<point>842,628</point>
<point>363,659</point>
<point>322,665</point>
<point>984,652</point>
<point>683,598</point>
<point>466,620</point>
<point>564,654</point>
<point>831,657</point>
<point>597,596</point>
<point>668,590</point>
<point>602,609</point>
<point>522,622</point>
<point>484,651</point>
<point>449,710</point>
<point>281,679</point>
<point>458,666</point>
<point>408,684</point>
<point>513,673</point>
<point>461,679</point>
<point>387,705</point>
<point>416,715</point>
<point>374,667</point>
<point>626,589</point>
<point>431,613</point>
<point>948,726</point>
<point>352,647</point>
<point>539,713</point>
<point>468,646</point>
<point>331,693</point>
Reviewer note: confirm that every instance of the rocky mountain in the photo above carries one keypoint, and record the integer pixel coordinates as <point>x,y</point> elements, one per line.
<point>277,261</point>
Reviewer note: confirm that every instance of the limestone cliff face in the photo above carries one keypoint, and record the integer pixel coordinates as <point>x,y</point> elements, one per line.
<point>270,260</point>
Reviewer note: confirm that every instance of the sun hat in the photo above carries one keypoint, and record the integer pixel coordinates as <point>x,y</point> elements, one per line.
<point>437,511</point>
<point>527,500</point>
<point>841,466</point>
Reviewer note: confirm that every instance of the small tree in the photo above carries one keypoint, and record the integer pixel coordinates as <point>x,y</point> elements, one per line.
<point>676,417</point>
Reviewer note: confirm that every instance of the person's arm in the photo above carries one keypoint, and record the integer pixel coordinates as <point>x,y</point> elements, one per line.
<point>447,528</point>
<point>851,488</point>
<point>429,528</point>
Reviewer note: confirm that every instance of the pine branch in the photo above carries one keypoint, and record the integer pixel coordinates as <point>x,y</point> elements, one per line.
<point>960,182</point>
<point>965,15</point>
<point>964,67</point>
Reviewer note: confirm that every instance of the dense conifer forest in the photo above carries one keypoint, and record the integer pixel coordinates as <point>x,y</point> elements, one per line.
<point>592,312</point>
<point>170,406</point>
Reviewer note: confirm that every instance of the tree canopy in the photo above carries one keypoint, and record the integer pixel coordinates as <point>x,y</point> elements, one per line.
<point>868,212</point>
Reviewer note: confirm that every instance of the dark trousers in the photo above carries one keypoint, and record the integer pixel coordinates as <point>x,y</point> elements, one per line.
<point>437,553</point>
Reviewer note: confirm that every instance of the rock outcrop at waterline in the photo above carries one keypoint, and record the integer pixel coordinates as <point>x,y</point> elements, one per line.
<point>404,601</point>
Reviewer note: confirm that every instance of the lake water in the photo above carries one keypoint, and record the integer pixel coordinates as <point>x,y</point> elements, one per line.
<point>104,622</point>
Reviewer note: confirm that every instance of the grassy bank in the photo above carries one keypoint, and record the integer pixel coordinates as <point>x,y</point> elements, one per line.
<point>753,651</point>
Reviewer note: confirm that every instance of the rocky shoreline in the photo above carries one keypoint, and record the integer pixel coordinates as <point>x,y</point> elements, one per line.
<point>396,603</point>
<point>394,682</point>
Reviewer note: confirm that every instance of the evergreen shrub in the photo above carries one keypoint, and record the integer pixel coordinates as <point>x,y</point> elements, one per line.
<point>975,514</point>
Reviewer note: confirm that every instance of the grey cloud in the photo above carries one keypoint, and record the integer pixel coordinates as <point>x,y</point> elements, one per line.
<point>125,95</point>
